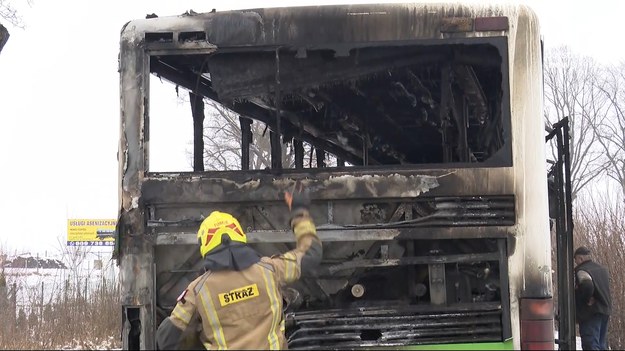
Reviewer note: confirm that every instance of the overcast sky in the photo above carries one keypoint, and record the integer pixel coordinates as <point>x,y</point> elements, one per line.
<point>59,100</point>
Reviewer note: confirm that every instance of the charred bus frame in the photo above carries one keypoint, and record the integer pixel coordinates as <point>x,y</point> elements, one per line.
<point>441,200</point>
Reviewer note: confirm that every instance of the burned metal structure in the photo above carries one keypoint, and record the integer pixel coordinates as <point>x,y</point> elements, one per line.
<point>434,221</point>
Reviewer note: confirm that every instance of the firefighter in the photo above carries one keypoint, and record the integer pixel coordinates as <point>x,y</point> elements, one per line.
<point>237,303</point>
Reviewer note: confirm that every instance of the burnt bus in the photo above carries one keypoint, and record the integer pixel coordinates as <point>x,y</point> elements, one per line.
<point>428,182</point>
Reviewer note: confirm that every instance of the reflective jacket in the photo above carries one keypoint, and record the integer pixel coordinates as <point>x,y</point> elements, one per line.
<point>241,309</point>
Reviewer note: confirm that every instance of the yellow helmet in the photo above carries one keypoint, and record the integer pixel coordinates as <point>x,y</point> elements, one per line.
<point>214,227</point>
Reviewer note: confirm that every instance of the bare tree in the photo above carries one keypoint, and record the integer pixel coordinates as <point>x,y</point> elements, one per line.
<point>74,257</point>
<point>572,90</point>
<point>599,225</point>
<point>9,14</point>
<point>610,130</point>
<point>222,143</point>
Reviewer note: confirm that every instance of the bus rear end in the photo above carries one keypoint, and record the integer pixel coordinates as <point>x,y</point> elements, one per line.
<point>417,130</point>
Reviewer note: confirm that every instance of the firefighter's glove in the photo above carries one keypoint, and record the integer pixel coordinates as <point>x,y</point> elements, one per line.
<point>297,199</point>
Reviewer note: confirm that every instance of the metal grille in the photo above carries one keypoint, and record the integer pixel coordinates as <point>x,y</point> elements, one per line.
<point>377,327</point>
<point>472,211</point>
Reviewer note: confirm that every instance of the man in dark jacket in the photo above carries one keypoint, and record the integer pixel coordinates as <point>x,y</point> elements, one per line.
<point>592,300</point>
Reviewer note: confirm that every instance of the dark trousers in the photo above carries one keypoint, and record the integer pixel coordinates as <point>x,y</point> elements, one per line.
<point>594,332</point>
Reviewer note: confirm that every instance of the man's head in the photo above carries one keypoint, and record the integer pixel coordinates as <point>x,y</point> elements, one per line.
<point>219,228</point>
<point>581,254</point>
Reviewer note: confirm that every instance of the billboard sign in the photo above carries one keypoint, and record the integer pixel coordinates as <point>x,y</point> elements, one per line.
<point>91,232</point>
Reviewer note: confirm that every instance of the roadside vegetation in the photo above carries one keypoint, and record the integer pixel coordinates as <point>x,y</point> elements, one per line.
<point>41,311</point>
<point>600,225</point>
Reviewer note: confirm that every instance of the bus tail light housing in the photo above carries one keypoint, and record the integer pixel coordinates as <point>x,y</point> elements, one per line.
<point>537,329</point>
<point>483,24</point>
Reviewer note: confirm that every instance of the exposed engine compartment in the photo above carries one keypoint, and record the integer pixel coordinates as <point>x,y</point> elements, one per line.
<point>454,284</point>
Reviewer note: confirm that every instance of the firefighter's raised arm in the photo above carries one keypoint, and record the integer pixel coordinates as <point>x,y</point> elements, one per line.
<point>308,252</point>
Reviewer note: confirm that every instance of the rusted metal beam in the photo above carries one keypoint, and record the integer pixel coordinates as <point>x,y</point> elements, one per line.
<point>432,260</point>
<point>309,134</point>
<point>330,142</point>
<point>187,79</point>
<point>246,187</point>
<point>233,82</point>
<point>281,236</point>
<point>358,123</point>
<point>262,185</point>
<point>341,235</point>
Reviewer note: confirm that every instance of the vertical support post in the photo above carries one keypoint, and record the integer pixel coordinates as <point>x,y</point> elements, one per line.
<point>340,162</point>
<point>155,323</point>
<point>438,288</point>
<point>4,293</point>
<point>444,110</point>
<point>504,286</point>
<point>310,157</point>
<point>330,212</point>
<point>299,153</point>
<point>563,330</point>
<point>276,137</point>
<point>246,140</point>
<point>197,110</point>
<point>41,304</point>
<point>134,247</point>
<point>365,142</point>
<point>564,238</point>
<point>321,158</point>
<point>365,152</point>
<point>276,150</point>
<point>410,252</point>
<point>14,302</point>
<point>460,111</point>
<point>567,238</point>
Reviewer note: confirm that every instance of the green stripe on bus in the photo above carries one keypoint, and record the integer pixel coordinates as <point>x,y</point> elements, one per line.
<point>505,345</point>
